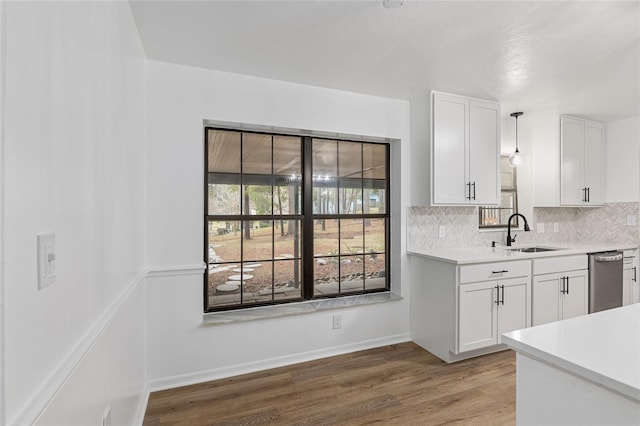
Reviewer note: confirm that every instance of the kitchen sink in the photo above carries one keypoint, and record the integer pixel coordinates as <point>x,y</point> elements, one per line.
<point>533,249</point>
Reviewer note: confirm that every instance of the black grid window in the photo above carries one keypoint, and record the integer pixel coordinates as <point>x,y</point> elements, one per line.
<point>292,218</point>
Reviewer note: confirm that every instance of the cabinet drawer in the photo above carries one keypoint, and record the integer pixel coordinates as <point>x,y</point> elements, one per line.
<point>552,265</point>
<point>494,271</point>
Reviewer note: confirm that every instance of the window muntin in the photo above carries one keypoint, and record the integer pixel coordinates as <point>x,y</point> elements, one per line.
<point>255,197</point>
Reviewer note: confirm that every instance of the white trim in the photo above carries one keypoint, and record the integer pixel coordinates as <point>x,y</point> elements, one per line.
<point>142,407</point>
<point>44,396</point>
<point>172,271</point>
<point>250,367</point>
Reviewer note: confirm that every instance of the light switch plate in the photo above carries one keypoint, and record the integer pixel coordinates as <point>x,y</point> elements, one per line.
<point>556,227</point>
<point>46,259</point>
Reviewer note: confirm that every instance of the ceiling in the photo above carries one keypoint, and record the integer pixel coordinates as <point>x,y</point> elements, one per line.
<point>572,57</point>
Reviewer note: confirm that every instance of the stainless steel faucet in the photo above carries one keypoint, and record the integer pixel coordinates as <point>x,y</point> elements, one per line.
<point>526,228</point>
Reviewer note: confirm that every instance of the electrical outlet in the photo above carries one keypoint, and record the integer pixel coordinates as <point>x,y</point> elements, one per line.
<point>556,227</point>
<point>442,231</point>
<point>106,417</point>
<point>631,220</point>
<point>337,322</point>
<point>540,228</point>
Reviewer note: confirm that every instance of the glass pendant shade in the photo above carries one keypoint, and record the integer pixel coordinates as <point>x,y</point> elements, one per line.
<point>515,159</point>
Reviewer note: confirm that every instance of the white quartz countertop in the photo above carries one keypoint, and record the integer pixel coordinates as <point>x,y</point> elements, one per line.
<point>466,255</point>
<point>603,347</point>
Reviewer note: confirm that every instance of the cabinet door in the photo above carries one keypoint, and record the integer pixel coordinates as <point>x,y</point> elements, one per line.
<point>450,149</point>
<point>545,295</point>
<point>477,315</point>
<point>594,162</point>
<point>512,311</point>
<point>484,152</point>
<point>572,161</point>
<point>575,300</point>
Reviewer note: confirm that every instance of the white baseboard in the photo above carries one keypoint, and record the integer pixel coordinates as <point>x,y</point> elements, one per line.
<point>251,367</point>
<point>42,398</point>
<point>142,407</point>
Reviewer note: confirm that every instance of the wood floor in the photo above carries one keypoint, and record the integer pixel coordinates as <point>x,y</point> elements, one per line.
<point>399,384</point>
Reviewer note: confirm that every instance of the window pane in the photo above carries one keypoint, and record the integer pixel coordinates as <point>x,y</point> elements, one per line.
<point>224,151</point>
<point>325,237</point>
<point>287,279</point>
<point>350,160</point>
<point>374,159</point>
<point>325,172</point>
<point>374,197</point>
<point>325,276</point>
<point>374,271</point>
<point>256,154</point>
<point>223,174</point>
<point>351,236</point>
<point>224,199</point>
<point>258,283</point>
<point>351,200</point>
<point>224,242</point>
<point>258,239</point>
<point>507,174</point>
<point>351,274</point>
<point>288,239</point>
<point>257,199</point>
<point>287,170</point>
<point>374,236</point>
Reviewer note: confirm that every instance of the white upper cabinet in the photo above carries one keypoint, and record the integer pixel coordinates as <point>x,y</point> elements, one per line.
<point>465,151</point>
<point>582,162</point>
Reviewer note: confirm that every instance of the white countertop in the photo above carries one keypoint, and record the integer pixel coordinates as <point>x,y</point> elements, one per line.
<point>603,347</point>
<point>466,255</point>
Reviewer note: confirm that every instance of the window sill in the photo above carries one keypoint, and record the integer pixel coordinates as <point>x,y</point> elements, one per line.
<point>290,309</point>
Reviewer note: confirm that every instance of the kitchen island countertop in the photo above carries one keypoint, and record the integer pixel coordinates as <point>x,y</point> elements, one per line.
<point>603,348</point>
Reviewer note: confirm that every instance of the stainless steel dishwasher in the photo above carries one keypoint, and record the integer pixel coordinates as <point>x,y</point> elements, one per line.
<point>605,281</point>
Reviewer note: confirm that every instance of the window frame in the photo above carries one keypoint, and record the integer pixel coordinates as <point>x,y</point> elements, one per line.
<point>306,217</point>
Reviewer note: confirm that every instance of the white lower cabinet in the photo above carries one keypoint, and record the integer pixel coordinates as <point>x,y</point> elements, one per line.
<point>560,294</point>
<point>631,286</point>
<point>488,309</point>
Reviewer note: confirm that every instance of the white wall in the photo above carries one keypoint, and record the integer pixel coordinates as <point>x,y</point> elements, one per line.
<point>74,164</point>
<point>180,349</point>
<point>622,160</point>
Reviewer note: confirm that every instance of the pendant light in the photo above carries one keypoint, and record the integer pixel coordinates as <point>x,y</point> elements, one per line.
<point>515,159</point>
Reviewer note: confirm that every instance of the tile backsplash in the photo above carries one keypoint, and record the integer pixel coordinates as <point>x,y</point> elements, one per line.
<point>607,224</point>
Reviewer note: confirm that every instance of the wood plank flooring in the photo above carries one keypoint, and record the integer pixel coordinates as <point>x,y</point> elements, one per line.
<point>399,384</point>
